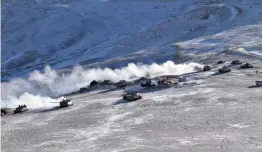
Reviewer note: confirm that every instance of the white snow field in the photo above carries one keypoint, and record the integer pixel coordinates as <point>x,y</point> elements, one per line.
<point>54,47</point>
<point>63,33</point>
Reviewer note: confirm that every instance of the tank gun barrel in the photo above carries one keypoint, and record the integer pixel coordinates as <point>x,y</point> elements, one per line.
<point>54,102</point>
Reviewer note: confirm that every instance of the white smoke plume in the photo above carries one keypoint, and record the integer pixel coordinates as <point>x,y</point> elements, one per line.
<point>39,88</point>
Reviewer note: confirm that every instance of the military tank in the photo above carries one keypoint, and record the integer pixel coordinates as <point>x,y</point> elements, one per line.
<point>182,79</point>
<point>131,96</point>
<point>259,83</point>
<point>166,82</point>
<point>141,80</point>
<point>65,103</point>
<point>220,62</point>
<point>246,66</point>
<point>3,112</point>
<point>6,111</point>
<point>106,83</point>
<point>83,89</point>
<point>93,83</point>
<point>147,84</point>
<point>206,68</point>
<point>20,109</point>
<point>224,70</point>
<point>236,62</point>
<point>123,84</point>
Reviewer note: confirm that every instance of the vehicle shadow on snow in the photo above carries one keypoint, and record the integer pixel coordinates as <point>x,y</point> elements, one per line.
<point>153,89</point>
<point>78,92</point>
<point>217,73</point>
<point>121,101</point>
<point>85,90</point>
<point>110,90</point>
<point>255,86</point>
<point>159,88</point>
<point>49,109</point>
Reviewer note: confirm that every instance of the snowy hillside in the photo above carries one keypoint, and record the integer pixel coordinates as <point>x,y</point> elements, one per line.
<point>64,33</point>
<point>52,48</point>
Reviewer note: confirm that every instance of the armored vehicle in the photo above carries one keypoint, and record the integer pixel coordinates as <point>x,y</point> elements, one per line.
<point>148,83</point>
<point>84,89</point>
<point>131,96</point>
<point>246,66</point>
<point>123,84</point>
<point>224,70</point>
<point>20,109</point>
<point>141,80</point>
<point>220,62</point>
<point>182,79</point>
<point>166,82</point>
<point>65,103</point>
<point>236,62</point>
<point>5,111</point>
<point>93,83</point>
<point>259,83</point>
<point>206,68</point>
<point>106,83</point>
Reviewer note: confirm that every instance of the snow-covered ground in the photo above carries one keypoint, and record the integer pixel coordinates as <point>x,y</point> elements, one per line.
<point>208,113</point>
